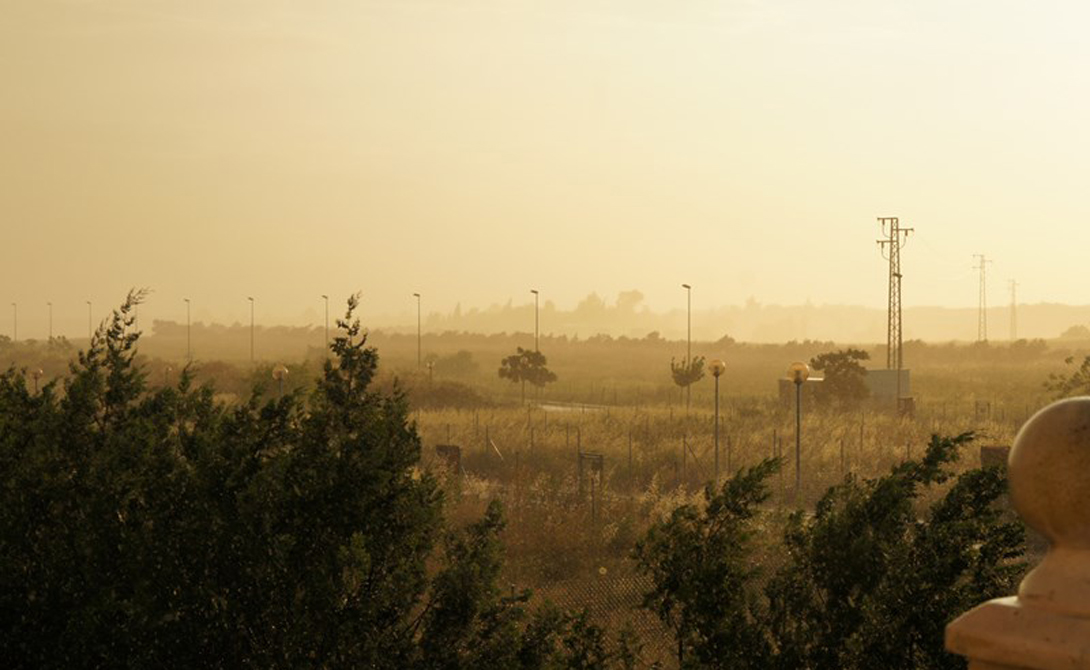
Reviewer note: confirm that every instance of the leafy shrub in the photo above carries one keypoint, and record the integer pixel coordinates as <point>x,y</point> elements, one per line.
<point>865,581</point>
<point>157,528</point>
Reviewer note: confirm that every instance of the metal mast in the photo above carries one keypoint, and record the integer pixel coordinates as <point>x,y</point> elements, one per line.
<point>1014,310</point>
<point>982,313</point>
<point>895,237</point>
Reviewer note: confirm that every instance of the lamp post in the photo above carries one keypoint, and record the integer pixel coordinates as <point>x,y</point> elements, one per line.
<point>279,373</point>
<point>251,299</point>
<point>718,367</point>
<point>88,322</point>
<point>50,305</point>
<point>689,340</point>
<point>37,374</point>
<point>188,334</point>
<point>534,291</point>
<point>798,373</point>
<point>326,299</point>
<point>418,350</point>
<point>166,375</point>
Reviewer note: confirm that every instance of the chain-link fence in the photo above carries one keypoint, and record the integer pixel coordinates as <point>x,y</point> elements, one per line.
<point>612,598</point>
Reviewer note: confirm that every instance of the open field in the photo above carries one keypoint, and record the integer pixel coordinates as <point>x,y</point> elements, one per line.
<point>572,526</point>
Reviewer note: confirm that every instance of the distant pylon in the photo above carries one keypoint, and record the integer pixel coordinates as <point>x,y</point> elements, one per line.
<point>895,237</point>
<point>1014,310</point>
<point>982,313</point>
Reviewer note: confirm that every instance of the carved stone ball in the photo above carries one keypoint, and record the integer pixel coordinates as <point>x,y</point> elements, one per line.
<point>1049,472</point>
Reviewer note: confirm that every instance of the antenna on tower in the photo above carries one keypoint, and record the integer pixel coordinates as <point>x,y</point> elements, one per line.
<point>896,236</point>
<point>1014,309</point>
<point>982,314</point>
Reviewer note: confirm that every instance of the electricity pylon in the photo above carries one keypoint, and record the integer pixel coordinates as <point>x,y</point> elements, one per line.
<point>891,250</point>
<point>982,314</point>
<point>1014,309</point>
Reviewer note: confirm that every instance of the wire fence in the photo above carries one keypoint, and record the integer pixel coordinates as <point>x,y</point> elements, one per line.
<point>613,599</point>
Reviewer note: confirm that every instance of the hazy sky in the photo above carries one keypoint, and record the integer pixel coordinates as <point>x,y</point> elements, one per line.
<point>472,150</point>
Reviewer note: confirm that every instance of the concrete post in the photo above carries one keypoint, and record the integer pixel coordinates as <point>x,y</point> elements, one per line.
<point>1047,625</point>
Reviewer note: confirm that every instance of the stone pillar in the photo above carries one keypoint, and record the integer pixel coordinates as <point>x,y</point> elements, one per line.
<point>1047,625</point>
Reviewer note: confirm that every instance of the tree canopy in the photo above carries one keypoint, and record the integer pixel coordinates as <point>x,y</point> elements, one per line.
<point>867,580</point>
<point>526,366</point>
<point>156,527</point>
<point>845,376</point>
<point>687,372</point>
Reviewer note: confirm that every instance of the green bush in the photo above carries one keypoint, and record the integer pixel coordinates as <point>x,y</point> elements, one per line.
<point>865,581</point>
<point>157,528</point>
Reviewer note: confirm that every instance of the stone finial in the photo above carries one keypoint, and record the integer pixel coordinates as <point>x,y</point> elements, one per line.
<point>1048,624</point>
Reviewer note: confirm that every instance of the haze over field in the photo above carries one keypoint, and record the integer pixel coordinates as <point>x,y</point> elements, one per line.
<point>543,333</point>
<point>472,150</point>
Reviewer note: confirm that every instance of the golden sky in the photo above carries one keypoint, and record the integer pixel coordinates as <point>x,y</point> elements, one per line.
<point>473,150</point>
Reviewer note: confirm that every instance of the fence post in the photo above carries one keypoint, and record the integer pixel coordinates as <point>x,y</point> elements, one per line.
<point>1048,623</point>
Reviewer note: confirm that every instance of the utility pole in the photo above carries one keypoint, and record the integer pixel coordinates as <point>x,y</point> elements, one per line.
<point>188,334</point>
<point>251,299</point>
<point>896,236</point>
<point>688,340</point>
<point>325,297</point>
<point>1014,310</point>
<point>418,347</point>
<point>534,291</point>
<point>982,314</point>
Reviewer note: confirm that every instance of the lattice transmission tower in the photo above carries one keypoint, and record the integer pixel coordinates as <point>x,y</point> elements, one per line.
<point>1014,310</point>
<point>982,310</point>
<point>895,237</point>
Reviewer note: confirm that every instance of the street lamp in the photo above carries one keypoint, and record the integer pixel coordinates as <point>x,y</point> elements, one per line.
<point>718,367</point>
<point>326,298</point>
<point>251,299</point>
<point>798,373</point>
<point>418,350</point>
<point>278,373</point>
<point>188,334</point>
<point>37,374</point>
<point>534,291</point>
<point>689,340</point>
<point>166,375</point>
